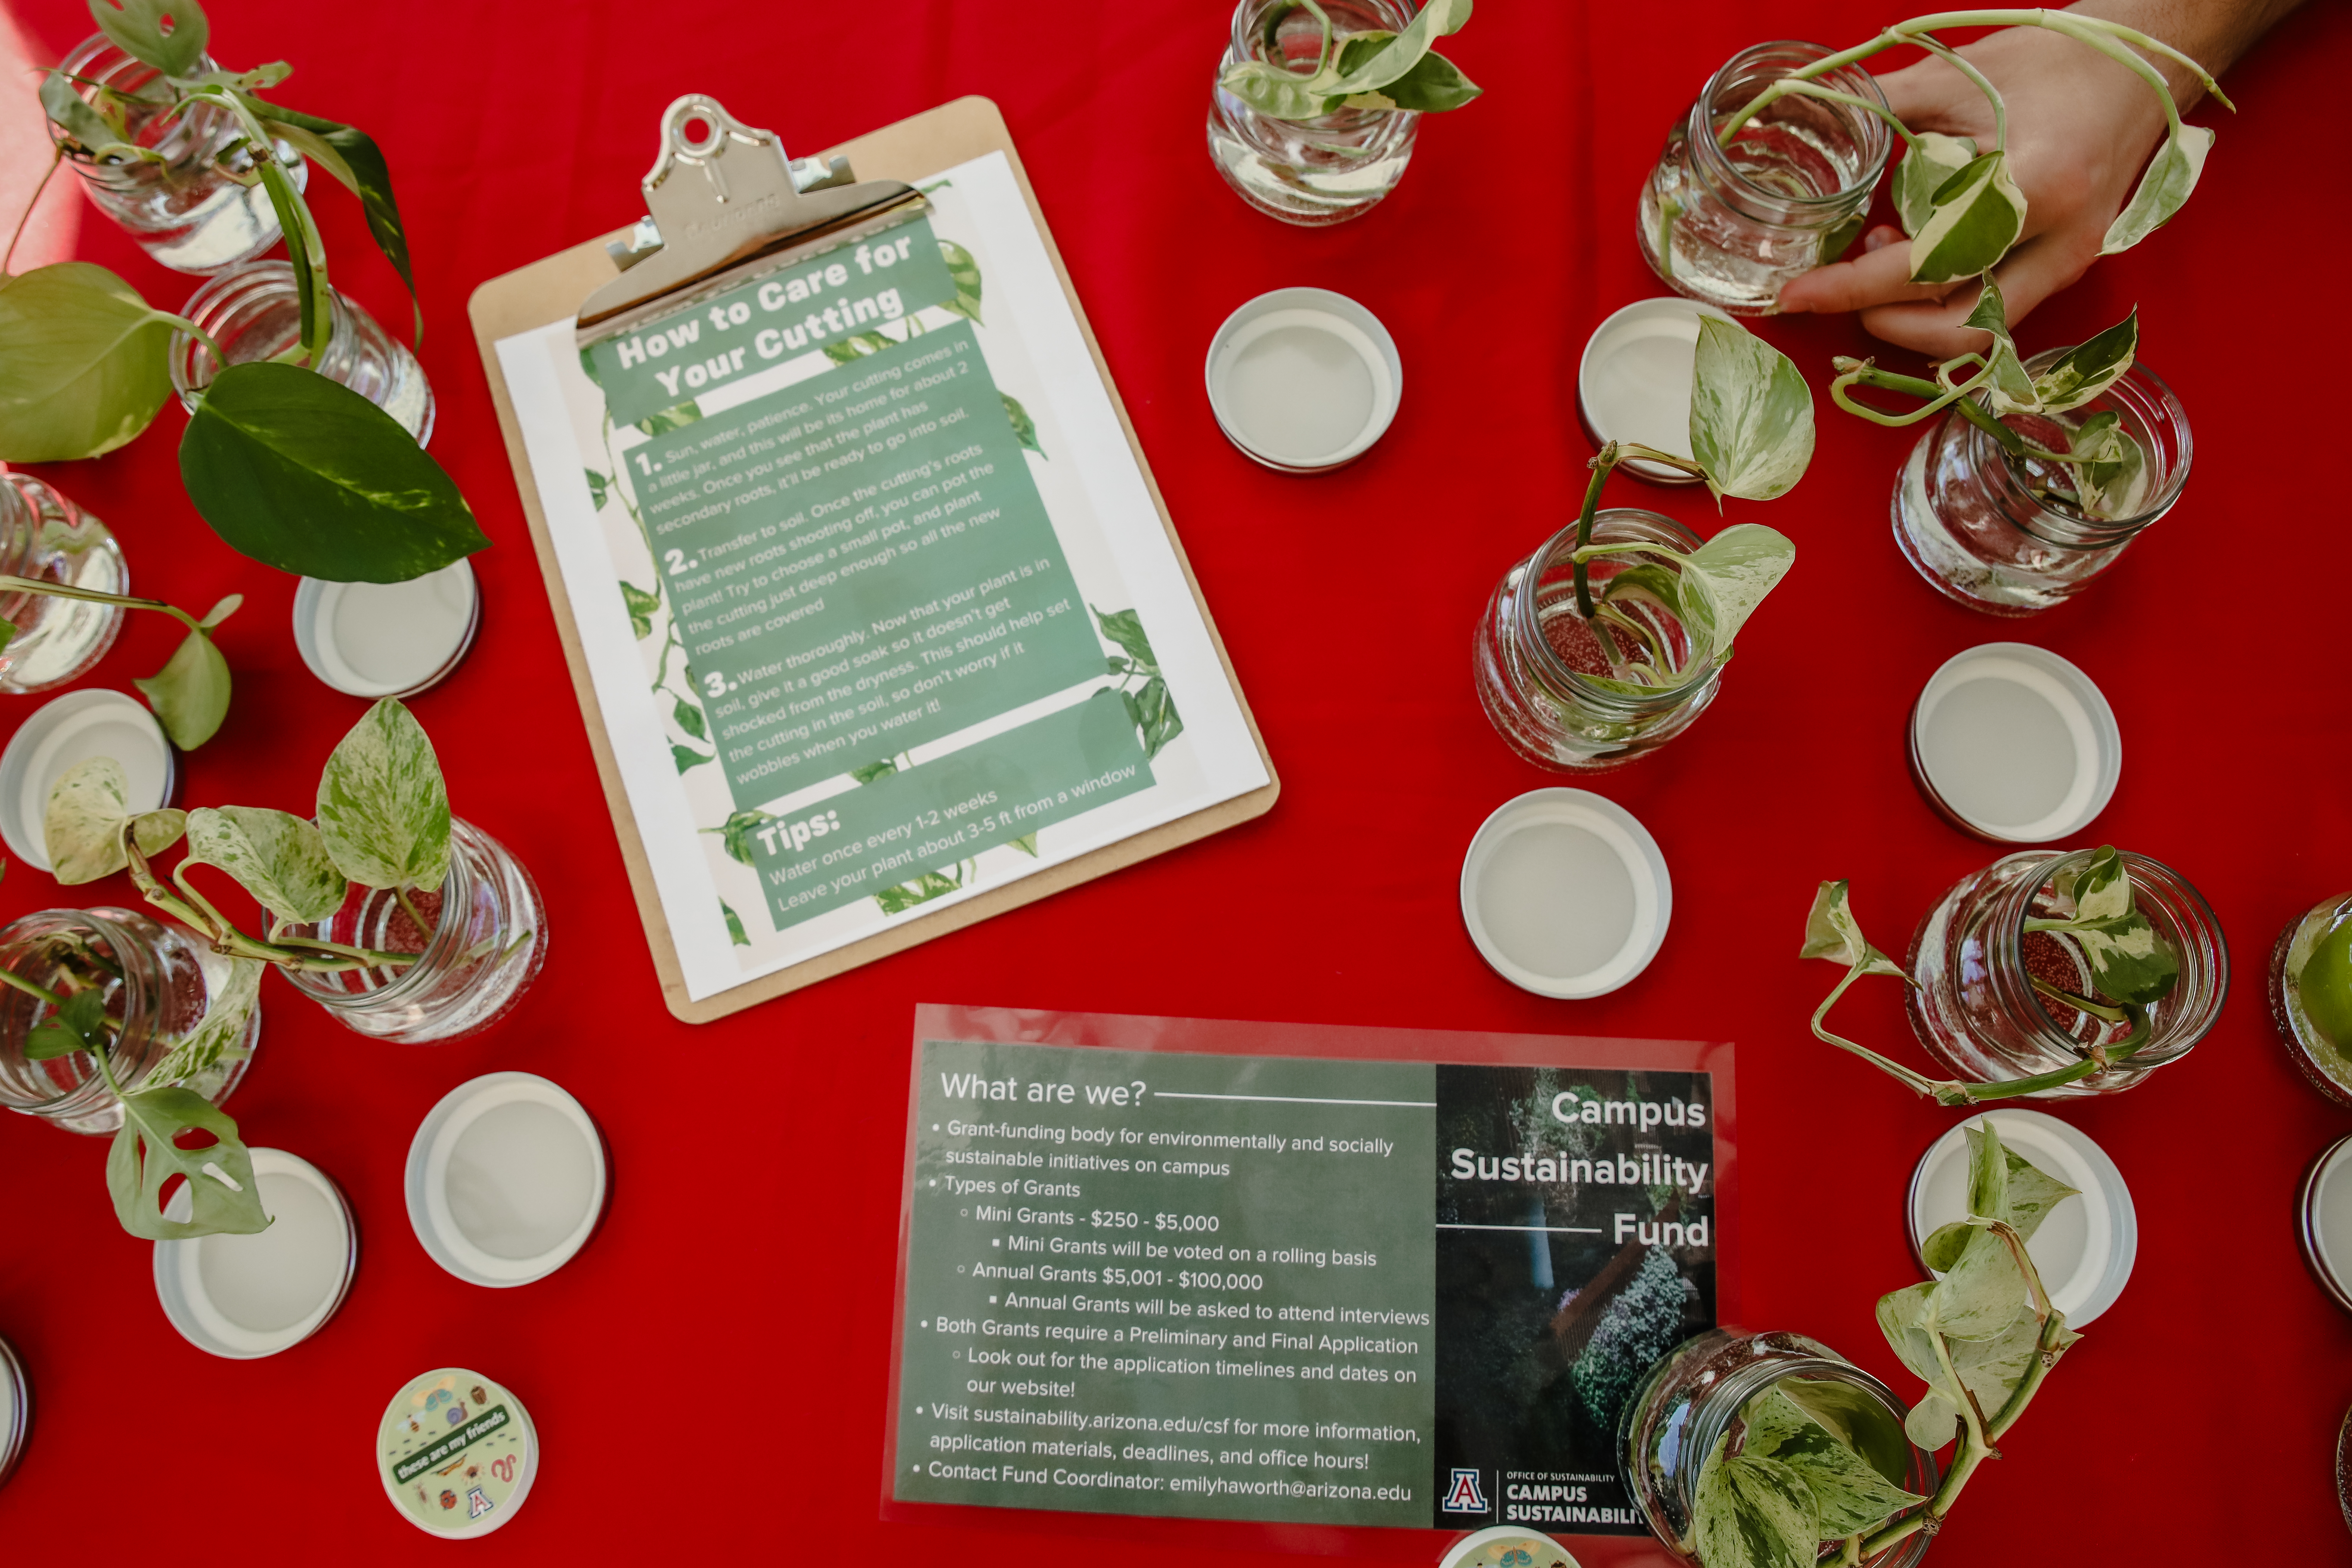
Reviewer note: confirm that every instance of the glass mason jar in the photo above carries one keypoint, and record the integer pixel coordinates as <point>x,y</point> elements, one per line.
<point>253,313</point>
<point>1548,685</point>
<point>1973,1005</point>
<point>187,211</point>
<point>1968,514</point>
<point>1680,1413</point>
<point>487,937</point>
<point>2312,1003</point>
<point>159,981</point>
<point>1730,226</point>
<point>47,538</point>
<point>1312,171</point>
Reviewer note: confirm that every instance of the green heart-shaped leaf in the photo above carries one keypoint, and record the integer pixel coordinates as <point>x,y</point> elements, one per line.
<point>2162,189</point>
<point>2090,368</point>
<point>1726,578</point>
<point>225,1197</point>
<point>276,856</point>
<point>308,476</point>
<point>1751,418</point>
<point>81,825</point>
<point>220,1036</point>
<point>2011,390</point>
<point>1833,932</point>
<point>1849,1495</point>
<point>169,35</point>
<point>383,808</point>
<point>1983,1293</point>
<point>79,1025</point>
<point>1399,54</point>
<point>1751,1513</point>
<point>81,362</point>
<point>2032,1191</point>
<point>1977,216</point>
<point>1922,172</point>
<point>191,693</point>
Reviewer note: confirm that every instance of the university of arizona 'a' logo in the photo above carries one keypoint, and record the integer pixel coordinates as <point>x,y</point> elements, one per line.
<point>1463,1495</point>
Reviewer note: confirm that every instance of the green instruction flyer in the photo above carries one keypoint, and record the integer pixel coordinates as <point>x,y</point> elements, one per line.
<point>1180,1282</point>
<point>877,604</point>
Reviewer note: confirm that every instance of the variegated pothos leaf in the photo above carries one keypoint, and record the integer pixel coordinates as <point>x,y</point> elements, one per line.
<point>1752,1512</point>
<point>1922,172</point>
<point>276,856</point>
<point>1751,418</point>
<point>2163,188</point>
<point>81,827</point>
<point>383,808</point>
<point>1977,216</point>
<point>1725,579</point>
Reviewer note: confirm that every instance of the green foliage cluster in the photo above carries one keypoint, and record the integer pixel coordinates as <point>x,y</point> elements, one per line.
<point>1808,1473</point>
<point>382,822</point>
<point>1372,69</point>
<point>1645,1322</point>
<point>288,467</point>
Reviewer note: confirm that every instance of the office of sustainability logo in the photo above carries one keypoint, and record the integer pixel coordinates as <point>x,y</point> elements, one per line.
<point>1464,1493</point>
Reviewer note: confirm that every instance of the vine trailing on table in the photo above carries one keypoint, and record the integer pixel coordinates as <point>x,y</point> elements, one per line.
<point>1751,433</point>
<point>1792,1482</point>
<point>1372,70</point>
<point>288,467</point>
<point>2100,474</point>
<point>2130,966</point>
<point>383,822</point>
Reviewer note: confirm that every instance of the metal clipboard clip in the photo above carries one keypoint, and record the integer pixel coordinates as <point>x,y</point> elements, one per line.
<point>724,205</point>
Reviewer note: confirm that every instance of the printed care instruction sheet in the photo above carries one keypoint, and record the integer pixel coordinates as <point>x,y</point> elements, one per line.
<point>1298,1290</point>
<point>877,604</point>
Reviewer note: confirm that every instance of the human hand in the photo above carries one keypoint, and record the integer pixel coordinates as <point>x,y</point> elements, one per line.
<point>2081,128</point>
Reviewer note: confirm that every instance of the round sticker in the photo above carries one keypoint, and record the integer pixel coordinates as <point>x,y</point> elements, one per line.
<point>457,1452</point>
<point>1507,1546</point>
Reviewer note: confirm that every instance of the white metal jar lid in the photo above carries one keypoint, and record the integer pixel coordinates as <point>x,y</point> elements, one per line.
<point>1507,1546</point>
<point>388,639</point>
<point>457,1453</point>
<point>1304,380</point>
<point>2015,744</point>
<point>506,1180</point>
<point>243,1297</point>
<point>1633,382</point>
<point>2084,1248</point>
<point>73,729</point>
<point>2326,1220</point>
<point>1565,893</point>
<point>16,1410</point>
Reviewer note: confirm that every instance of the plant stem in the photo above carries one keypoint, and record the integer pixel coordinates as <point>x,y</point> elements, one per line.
<point>37,991</point>
<point>1601,467</point>
<point>423,926</point>
<point>1959,63</point>
<point>1831,95</point>
<point>56,156</point>
<point>2080,1003</point>
<point>1918,1083</point>
<point>2098,33</point>
<point>201,917</point>
<point>91,596</point>
<point>2048,1348</point>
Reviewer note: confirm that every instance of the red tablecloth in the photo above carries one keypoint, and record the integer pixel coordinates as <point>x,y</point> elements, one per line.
<point>707,1377</point>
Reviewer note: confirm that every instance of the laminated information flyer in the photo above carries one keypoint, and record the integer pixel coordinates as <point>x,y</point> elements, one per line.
<point>1295,1286</point>
<point>878,609</point>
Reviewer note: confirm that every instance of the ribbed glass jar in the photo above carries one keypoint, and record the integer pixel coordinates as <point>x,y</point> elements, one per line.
<point>480,941</point>
<point>1681,1410</point>
<point>46,538</point>
<point>1732,226</point>
<point>185,211</point>
<point>2311,995</point>
<point>253,312</point>
<point>1976,524</point>
<point>1549,685</point>
<point>158,981</point>
<point>1312,171</point>
<point>1973,1005</point>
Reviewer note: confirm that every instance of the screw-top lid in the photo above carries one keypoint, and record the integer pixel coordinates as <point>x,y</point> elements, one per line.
<point>1634,381</point>
<point>1304,380</point>
<point>457,1452</point>
<point>72,729</point>
<point>506,1180</point>
<point>1565,893</point>
<point>387,639</point>
<point>2013,743</point>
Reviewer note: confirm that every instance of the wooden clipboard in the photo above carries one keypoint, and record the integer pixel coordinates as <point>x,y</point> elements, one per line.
<point>551,290</point>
